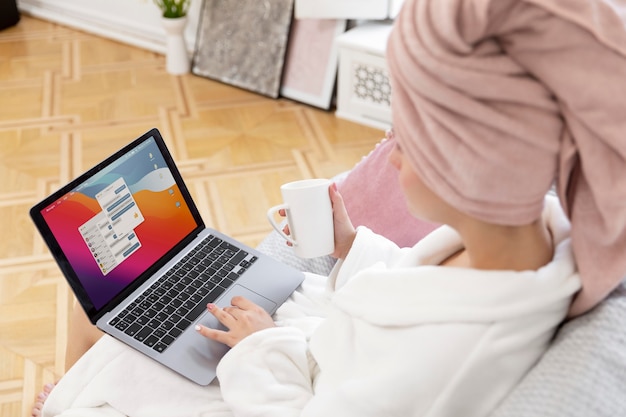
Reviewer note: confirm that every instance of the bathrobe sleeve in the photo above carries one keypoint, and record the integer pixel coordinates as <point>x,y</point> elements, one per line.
<point>271,373</point>
<point>368,249</point>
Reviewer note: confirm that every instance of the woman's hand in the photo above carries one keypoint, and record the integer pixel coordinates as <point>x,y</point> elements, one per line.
<point>241,319</point>
<point>344,230</point>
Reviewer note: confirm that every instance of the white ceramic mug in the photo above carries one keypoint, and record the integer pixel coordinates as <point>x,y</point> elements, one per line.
<point>309,216</point>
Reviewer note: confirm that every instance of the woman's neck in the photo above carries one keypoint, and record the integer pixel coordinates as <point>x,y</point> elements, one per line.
<point>494,247</point>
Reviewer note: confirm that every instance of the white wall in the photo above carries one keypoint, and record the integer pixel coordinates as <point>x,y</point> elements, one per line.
<point>136,22</point>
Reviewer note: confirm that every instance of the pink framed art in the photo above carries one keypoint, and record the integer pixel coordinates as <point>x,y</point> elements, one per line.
<point>311,62</point>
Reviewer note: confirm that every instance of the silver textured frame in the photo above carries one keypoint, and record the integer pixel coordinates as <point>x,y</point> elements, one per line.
<point>243,43</point>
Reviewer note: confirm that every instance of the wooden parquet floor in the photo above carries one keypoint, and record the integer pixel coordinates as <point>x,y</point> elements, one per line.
<point>67,100</point>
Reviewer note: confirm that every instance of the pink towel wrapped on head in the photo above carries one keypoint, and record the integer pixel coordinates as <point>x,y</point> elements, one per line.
<point>494,101</point>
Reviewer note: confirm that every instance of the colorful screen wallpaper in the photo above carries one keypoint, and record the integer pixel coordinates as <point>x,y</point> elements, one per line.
<point>119,222</point>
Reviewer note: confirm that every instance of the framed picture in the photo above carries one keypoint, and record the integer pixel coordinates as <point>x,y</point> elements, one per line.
<point>311,63</point>
<point>243,43</point>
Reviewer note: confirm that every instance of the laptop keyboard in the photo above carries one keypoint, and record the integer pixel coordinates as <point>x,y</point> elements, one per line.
<point>161,314</point>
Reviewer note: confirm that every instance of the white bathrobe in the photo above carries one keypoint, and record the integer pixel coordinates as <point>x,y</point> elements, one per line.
<point>389,333</point>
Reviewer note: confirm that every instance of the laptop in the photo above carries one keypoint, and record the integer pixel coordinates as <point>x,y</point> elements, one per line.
<point>142,264</point>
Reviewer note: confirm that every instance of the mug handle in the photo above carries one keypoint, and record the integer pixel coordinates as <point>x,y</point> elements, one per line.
<point>270,216</point>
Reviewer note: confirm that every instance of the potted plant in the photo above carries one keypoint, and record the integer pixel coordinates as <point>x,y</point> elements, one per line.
<point>173,8</point>
<point>174,20</point>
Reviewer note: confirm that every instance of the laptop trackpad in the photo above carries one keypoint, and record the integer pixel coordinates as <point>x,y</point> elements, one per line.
<point>206,351</point>
<point>237,289</point>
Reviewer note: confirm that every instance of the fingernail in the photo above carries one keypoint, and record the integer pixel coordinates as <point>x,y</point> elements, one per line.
<point>334,186</point>
<point>210,306</point>
<point>198,327</point>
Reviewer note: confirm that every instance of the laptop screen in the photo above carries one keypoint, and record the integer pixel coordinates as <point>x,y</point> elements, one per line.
<point>118,220</point>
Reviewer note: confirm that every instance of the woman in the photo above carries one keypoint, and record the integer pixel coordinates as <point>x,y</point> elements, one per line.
<point>493,103</point>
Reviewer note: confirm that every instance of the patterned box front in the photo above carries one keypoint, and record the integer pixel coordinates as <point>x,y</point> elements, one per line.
<point>363,88</point>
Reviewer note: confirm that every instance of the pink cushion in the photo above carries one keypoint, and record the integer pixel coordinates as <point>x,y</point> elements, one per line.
<point>373,198</point>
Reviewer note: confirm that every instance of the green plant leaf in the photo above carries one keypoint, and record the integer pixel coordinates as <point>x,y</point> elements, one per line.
<point>173,8</point>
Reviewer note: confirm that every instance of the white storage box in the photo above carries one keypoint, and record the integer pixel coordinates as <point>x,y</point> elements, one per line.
<point>346,9</point>
<point>363,89</point>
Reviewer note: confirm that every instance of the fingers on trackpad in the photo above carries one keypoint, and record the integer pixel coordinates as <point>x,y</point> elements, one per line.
<point>238,290</point>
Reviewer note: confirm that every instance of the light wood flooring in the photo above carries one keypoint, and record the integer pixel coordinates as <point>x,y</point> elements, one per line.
<point>67,100</point>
